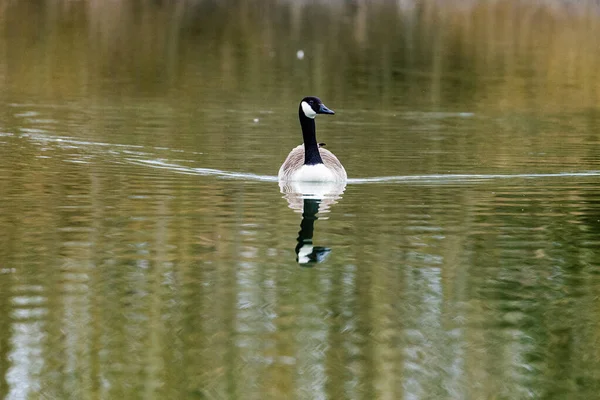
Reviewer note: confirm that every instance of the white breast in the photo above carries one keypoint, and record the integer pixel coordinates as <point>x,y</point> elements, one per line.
<point>314,173</point>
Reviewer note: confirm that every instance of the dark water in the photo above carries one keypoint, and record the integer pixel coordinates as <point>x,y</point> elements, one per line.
<point>147,251</point>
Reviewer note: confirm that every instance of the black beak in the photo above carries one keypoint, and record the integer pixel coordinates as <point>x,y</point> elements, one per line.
<point>325,110</point>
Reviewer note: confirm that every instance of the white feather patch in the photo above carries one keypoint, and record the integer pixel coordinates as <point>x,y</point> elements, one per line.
<point>308,111</point>
<point>304,253</point>
<point>314,173</point>
<point>317,190</point>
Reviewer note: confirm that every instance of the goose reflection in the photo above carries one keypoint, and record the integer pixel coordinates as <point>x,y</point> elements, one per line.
<point>311,199</point>
<point>306,253</point>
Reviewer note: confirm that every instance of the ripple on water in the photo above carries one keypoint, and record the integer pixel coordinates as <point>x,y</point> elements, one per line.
<point>28,302</point>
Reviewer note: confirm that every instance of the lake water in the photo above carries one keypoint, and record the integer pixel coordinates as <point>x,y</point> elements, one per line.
<point>148,252</point>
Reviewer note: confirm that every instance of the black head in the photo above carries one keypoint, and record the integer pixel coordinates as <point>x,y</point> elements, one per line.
<point>311,106</point>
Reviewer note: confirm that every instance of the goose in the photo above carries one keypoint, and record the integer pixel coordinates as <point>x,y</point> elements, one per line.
<point>311,162</point>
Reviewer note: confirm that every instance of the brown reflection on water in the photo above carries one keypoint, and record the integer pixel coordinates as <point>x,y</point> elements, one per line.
<point>509,55</point>
<point>119,279</point>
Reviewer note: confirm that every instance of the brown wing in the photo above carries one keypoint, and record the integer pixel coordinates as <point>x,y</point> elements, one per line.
<point>292,163</point>
<point>333,163</point>
<point>295,160</point>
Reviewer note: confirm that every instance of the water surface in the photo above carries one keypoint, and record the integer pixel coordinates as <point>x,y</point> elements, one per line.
<point>147,250</point>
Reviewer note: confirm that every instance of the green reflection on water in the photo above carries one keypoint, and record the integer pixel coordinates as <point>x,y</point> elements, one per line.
<point>121,279</point>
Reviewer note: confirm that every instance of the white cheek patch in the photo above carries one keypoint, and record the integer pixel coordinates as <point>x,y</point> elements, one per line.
<point>308,111</point>
<point>304,254</point>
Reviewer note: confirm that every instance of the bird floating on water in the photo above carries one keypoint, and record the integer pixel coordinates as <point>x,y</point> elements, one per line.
<point>310,162</point>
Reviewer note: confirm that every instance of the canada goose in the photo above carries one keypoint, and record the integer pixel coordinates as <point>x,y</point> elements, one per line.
<point>310,162</point>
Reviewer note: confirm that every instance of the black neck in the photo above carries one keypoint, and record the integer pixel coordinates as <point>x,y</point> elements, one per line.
<point>307,226</point>
<point>311,148</point>
<point>305,236</point>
